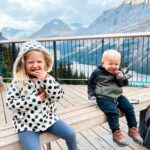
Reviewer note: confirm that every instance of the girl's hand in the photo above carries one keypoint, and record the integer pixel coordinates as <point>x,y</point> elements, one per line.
<point>42,94</point>
<point>42,75</point>
<point>118,73</point>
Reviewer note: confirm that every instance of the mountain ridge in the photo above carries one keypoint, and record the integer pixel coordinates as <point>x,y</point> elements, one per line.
<point>56,27</point>
<point>124,18</point>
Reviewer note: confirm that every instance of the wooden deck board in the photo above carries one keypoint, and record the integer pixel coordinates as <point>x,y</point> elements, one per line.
<point>83,143</point>
<point>2,118</point>
<point>95,138</point>
<point>75,94</point>
<point>71,96</point>
<point>107,137</point>
<point>124,128</point>
<point>55,146</point>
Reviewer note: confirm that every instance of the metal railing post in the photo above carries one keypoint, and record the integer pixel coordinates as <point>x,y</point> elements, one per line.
<point>102,45</point>
<point>14,51</point>
<point>1,59</point>
<point>55,60</point>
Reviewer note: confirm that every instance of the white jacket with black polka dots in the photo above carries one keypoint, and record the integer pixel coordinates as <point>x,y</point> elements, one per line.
<point>29,113</point>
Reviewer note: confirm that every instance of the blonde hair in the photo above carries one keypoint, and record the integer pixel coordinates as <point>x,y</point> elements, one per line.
<point>21,74</point>
<point>111,54</point>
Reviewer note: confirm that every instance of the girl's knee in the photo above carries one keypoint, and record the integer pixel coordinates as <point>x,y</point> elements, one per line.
<point>27,139</point>
<point>70,134</point>
<point>28,145</point>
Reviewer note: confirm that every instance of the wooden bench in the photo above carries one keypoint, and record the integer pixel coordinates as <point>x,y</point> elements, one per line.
<point>79,117</point>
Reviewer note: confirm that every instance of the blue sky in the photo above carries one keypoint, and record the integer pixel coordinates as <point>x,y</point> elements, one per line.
<point>33,14</point>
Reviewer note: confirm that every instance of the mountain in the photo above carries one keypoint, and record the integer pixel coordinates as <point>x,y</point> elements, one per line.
<point>2,37</point>
<point>130,16</point>
<point>125,18</point>
<point>12,33</point>
<point>55,28</point>
<point>137,27</point>
<point>134,2</point>
<point>77,26</point>
<point>121,19</point>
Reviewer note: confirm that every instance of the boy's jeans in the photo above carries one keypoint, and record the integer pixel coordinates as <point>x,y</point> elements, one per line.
<point>30,139</point>
<point>109,107</point>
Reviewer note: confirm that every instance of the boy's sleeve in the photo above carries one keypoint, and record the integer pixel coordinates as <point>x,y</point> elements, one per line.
<point>53,88</point>
<point>91,84</point>
<point>122,81</point>
<point>16,101</point>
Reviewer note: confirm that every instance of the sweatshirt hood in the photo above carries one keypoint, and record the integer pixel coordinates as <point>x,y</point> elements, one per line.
<point>28,46</point>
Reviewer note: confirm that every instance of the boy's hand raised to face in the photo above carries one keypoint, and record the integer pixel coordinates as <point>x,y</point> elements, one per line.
<point>118,73</point>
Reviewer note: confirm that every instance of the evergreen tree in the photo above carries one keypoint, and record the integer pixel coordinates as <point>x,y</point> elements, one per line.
<point>6,61</point>
<point>75,76</point>
<point>82,76</point>
<point>69,74</point>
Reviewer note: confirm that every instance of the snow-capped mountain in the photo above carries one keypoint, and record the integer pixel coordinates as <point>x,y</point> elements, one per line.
<point>128,17</point>
<point>77,26</point>
<point>54,28</point>
<point>125,18</point>
<point>12,33</point>
<point>134,2</point>
<point>122,19</point>
<point>2,37</point>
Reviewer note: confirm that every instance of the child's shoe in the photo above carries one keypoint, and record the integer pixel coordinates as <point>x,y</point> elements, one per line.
<point>134,134</point>
<point>91,98</point>
<point>119,138</point>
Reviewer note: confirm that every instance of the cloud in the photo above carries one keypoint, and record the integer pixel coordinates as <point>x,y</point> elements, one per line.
<point>33,14</point>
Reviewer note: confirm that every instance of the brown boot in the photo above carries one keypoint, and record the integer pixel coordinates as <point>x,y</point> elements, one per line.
<point>119,138</point>
<point>134,134</point>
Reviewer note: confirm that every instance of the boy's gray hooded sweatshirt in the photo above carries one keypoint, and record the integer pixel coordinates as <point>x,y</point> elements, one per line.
<point>103,84</point>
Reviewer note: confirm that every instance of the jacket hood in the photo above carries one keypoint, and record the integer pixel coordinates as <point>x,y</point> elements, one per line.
<point>28,46</point>
<point>101,67</point>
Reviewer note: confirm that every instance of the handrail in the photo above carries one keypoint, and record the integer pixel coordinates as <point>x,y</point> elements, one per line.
<point>76,57</point>
<point>98,36</point>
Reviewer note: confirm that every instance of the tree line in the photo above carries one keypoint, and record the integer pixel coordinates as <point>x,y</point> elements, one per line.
<point>64,71</point>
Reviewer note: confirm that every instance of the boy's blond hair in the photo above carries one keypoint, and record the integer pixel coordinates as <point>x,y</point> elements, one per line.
<point>111,54</point>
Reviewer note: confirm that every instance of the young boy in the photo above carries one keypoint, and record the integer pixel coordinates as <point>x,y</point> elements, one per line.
<point>105,86</point>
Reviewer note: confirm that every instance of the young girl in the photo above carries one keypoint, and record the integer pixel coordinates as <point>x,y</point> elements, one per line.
<point>32,97</point>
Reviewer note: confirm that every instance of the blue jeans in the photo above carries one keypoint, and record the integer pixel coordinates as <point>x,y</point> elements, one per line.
<point>30,139</point>
<point>110,108</point>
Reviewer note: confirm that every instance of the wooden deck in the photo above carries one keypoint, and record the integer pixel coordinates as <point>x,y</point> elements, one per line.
<point>95,138</point>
